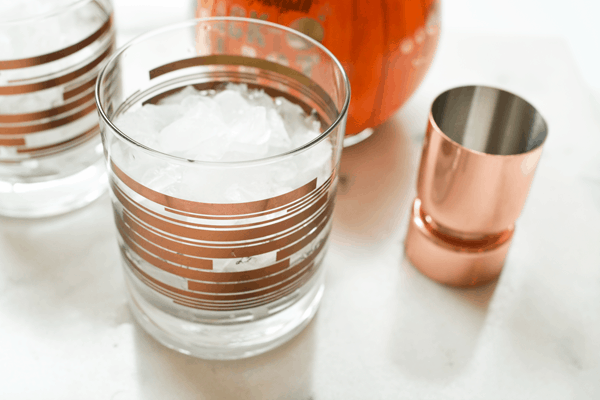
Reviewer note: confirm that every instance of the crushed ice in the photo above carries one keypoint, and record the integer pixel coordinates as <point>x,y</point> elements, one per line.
<point>235,124</point>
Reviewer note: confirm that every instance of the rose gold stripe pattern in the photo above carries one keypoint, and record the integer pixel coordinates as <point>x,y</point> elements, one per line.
<point>226,59</point>
<point>68,94</point>
<point>61,146</point>
<point>229,302</point>
<point>48,125</point>
<point>139,211</point>
<point>12,142</point>
<point>286,290</point>
<point>193,207</point>
<point>61,80</point>
<point>295,80</point>
<point>291,207</point>
<point>179,297</point>
<point>30,117</point>
<point>47,132</point>
<point>154,238</point>
<point>170,235</point>
<point>46,58</point>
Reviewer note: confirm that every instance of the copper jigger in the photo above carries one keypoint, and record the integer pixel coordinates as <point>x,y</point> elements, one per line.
<point>479,156</point>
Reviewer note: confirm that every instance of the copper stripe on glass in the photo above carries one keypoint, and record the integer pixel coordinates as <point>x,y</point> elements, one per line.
<point>210,208</point>
<point>223,300</point>
<point>186,244</point>
<point>240,305</point>
<point>219,296</point>
<point>17,130</point>
<point>289,207</point>
<point>292,207</point>
<point>34,87</point>
<point>223,305</point>
<point>247,286</point>
<point>154,235</point>
<point>67,51</point>
<point>231,60</point>
<point>33,116</point>
<point>12,142</point>
<point>294,80</point>
<point>188,250</point>
<point>134,240</point>
<point>70,93</point>
<point>78,79</point>
<point>60,146</point>
<point>139,211</point>
<point>229,235</point>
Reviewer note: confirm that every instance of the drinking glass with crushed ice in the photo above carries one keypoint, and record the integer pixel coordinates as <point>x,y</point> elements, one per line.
<point>222,138</point>
<point>50,150</point>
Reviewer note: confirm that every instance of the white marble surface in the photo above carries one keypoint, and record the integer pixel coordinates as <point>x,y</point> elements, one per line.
<point>574,21</point>
<point>383,331</point>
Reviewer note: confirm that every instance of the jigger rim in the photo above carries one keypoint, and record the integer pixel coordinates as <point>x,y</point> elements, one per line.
<point>437,128</point>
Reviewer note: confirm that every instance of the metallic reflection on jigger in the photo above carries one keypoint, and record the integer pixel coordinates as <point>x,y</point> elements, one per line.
<point>479,156</point>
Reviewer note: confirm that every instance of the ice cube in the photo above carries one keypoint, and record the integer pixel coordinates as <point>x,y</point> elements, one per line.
<point>198,106</point>
<point>251,127</point>
<point>144,125</point>
<point>234,124</point>
<point>188,133</point>
<point>178,97</point>
<point>162,178</point>
<point>213,149</point>
<point>292,115</point>
<point>260,98</point>
<point>279,135</point>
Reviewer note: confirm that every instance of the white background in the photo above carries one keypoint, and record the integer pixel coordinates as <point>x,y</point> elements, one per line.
<point>574,21</point>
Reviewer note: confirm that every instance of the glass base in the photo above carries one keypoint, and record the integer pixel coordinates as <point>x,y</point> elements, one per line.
<point>53,197</point>
<point>226,341</point>
<point>359,137</point>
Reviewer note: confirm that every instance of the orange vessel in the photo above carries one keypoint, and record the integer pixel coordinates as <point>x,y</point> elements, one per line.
<point>385,47</point>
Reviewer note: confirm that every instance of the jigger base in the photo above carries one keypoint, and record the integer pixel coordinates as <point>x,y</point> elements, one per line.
<point>452,261</point>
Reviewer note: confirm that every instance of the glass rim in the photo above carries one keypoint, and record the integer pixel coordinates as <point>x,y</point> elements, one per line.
<point>57,11</point>
<point>180,25</point>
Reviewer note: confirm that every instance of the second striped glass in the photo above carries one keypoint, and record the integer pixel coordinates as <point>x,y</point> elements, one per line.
<point>50,150</point>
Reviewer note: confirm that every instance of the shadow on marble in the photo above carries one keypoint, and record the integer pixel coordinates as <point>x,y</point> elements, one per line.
<point>436,328</point>
<point>283,373</point>
<point>375,182</point>
<point>58,269</point>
